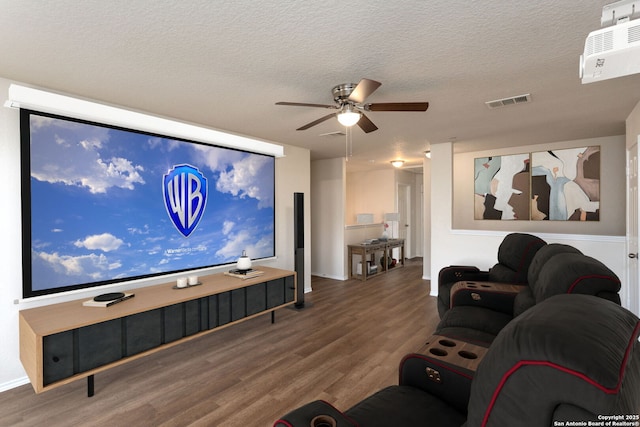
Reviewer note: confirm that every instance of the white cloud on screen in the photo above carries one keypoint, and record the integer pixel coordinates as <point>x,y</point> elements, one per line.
<point>227,226</point>
<point>79,163</point>
<point>241,174</point>
<point>105,242</point>
<point>69,265</point>
<point>244,240</point>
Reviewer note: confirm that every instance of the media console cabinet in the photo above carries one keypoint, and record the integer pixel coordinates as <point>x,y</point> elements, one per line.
<point>64,342</point>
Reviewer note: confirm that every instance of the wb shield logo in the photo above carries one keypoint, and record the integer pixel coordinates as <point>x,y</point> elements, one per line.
<point>185,196</point>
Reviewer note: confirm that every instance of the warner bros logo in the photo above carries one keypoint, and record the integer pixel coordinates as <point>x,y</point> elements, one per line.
<point>185,197</point>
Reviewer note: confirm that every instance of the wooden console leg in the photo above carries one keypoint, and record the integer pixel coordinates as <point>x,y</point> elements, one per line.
<point>90,386</point>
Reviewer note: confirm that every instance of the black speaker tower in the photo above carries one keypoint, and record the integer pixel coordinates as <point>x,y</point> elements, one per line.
<point>298,254</point>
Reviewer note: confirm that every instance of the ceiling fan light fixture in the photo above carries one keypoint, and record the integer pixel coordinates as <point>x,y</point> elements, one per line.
<point>348,117</point>
<point>397,163</point>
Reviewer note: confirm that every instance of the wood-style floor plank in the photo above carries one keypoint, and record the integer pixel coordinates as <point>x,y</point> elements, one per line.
<point>344,345</point>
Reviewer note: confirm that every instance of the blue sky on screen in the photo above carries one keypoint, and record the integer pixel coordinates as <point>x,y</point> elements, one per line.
<point>98,210</point>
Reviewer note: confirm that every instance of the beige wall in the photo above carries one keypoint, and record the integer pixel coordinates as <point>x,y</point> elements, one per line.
<point>328,250</point>
<point>370,192</point>
<point>633,126</point>
<point>612,190</point>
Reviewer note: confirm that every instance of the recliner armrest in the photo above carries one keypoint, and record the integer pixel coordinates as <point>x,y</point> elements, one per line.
<point>491,295</point>
<point>449,382</point>
<point>317,412</point>
<point>455,273</point>
<point>452,274</point>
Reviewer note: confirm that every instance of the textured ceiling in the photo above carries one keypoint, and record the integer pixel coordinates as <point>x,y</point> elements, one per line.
<point>224,64</point>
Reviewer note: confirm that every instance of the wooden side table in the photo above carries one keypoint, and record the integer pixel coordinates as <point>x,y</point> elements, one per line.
<point>368,252</point>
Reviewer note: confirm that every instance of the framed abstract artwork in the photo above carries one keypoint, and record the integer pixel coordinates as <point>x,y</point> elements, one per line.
<point>557,185</point>
<point>501,187</point>
<point>565,184</point>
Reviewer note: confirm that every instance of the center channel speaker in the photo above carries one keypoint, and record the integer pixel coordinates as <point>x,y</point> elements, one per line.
<point>298,254</point>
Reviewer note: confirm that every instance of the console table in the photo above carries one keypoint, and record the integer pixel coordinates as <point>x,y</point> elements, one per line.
<point>61,343</point>
<point>368,252</point>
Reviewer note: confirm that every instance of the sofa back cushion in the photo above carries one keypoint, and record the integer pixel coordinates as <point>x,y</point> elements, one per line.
<point>573,273</point>
<point>545,254</point>
<point>514,257</point>
<point>569,355</point>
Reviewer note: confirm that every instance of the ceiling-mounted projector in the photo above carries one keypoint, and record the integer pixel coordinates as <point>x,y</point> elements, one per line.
<point>613,51</point>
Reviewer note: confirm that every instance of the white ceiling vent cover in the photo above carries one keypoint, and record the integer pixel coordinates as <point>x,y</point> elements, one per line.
<point>335,133</point>
<point>505,102</point>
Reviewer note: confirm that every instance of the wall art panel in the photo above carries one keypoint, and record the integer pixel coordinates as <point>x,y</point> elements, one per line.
<point>565,184</point>
<point>502,187</point>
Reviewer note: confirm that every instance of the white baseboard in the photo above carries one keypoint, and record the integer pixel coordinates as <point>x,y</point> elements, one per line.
<point>329,276</point>
<point>14,383</point>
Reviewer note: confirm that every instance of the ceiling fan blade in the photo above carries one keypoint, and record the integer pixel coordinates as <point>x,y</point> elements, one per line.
<point>302,104</point>
<point>363,89</point>
<point>315,122</point>
<point>397,106</point>
<point>366,125</point>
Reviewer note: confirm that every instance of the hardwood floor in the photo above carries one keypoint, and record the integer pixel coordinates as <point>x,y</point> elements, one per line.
<point>344,345</point>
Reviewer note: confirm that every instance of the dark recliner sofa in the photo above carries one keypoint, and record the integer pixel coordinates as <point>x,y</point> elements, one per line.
<point>555,269</point>
<point>568,358</point>
<point>515,254</point>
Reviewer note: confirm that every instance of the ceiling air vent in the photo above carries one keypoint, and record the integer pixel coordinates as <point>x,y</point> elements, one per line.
<point>513,100</point>
<point>336,133</point>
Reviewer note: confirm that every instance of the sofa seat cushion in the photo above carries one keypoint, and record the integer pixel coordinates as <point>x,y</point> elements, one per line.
<point>469,335</point>
<point>477,318</point>
<point>404,406</point>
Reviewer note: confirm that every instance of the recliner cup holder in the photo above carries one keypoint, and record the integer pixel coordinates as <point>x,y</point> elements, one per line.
<point>438,352</point>
<point>467,354</point>
<point>323,421</point>
<point>447,343</point>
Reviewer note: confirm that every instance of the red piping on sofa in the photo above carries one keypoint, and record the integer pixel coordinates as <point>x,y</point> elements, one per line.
<point>592,276</point>
<point>524,256</point>
<point>591,381</point>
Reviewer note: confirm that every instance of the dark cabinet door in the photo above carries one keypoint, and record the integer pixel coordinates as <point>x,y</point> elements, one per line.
<point>144,331</point>
<point>191,317</point>
<point>57,357</point>
<point>238,304</point>
<point>224,308</point>
<point>290,288</point>
<point>256,298</point>
<point>173,323</point>
<point>275,293</point>
<point>99,344</point>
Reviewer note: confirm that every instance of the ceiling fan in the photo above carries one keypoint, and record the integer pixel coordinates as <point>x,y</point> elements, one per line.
<point>349,101</point>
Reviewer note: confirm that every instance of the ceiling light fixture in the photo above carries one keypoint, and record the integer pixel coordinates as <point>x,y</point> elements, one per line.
<point>397,163</point>
<point>348,117</point>
<point>427,154</point>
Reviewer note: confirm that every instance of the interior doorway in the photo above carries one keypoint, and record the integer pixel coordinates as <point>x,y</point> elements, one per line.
<point>404,222</point>
<point>633,264</point>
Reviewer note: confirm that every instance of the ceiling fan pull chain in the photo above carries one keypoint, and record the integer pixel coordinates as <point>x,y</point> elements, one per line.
<point>348,144</point>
